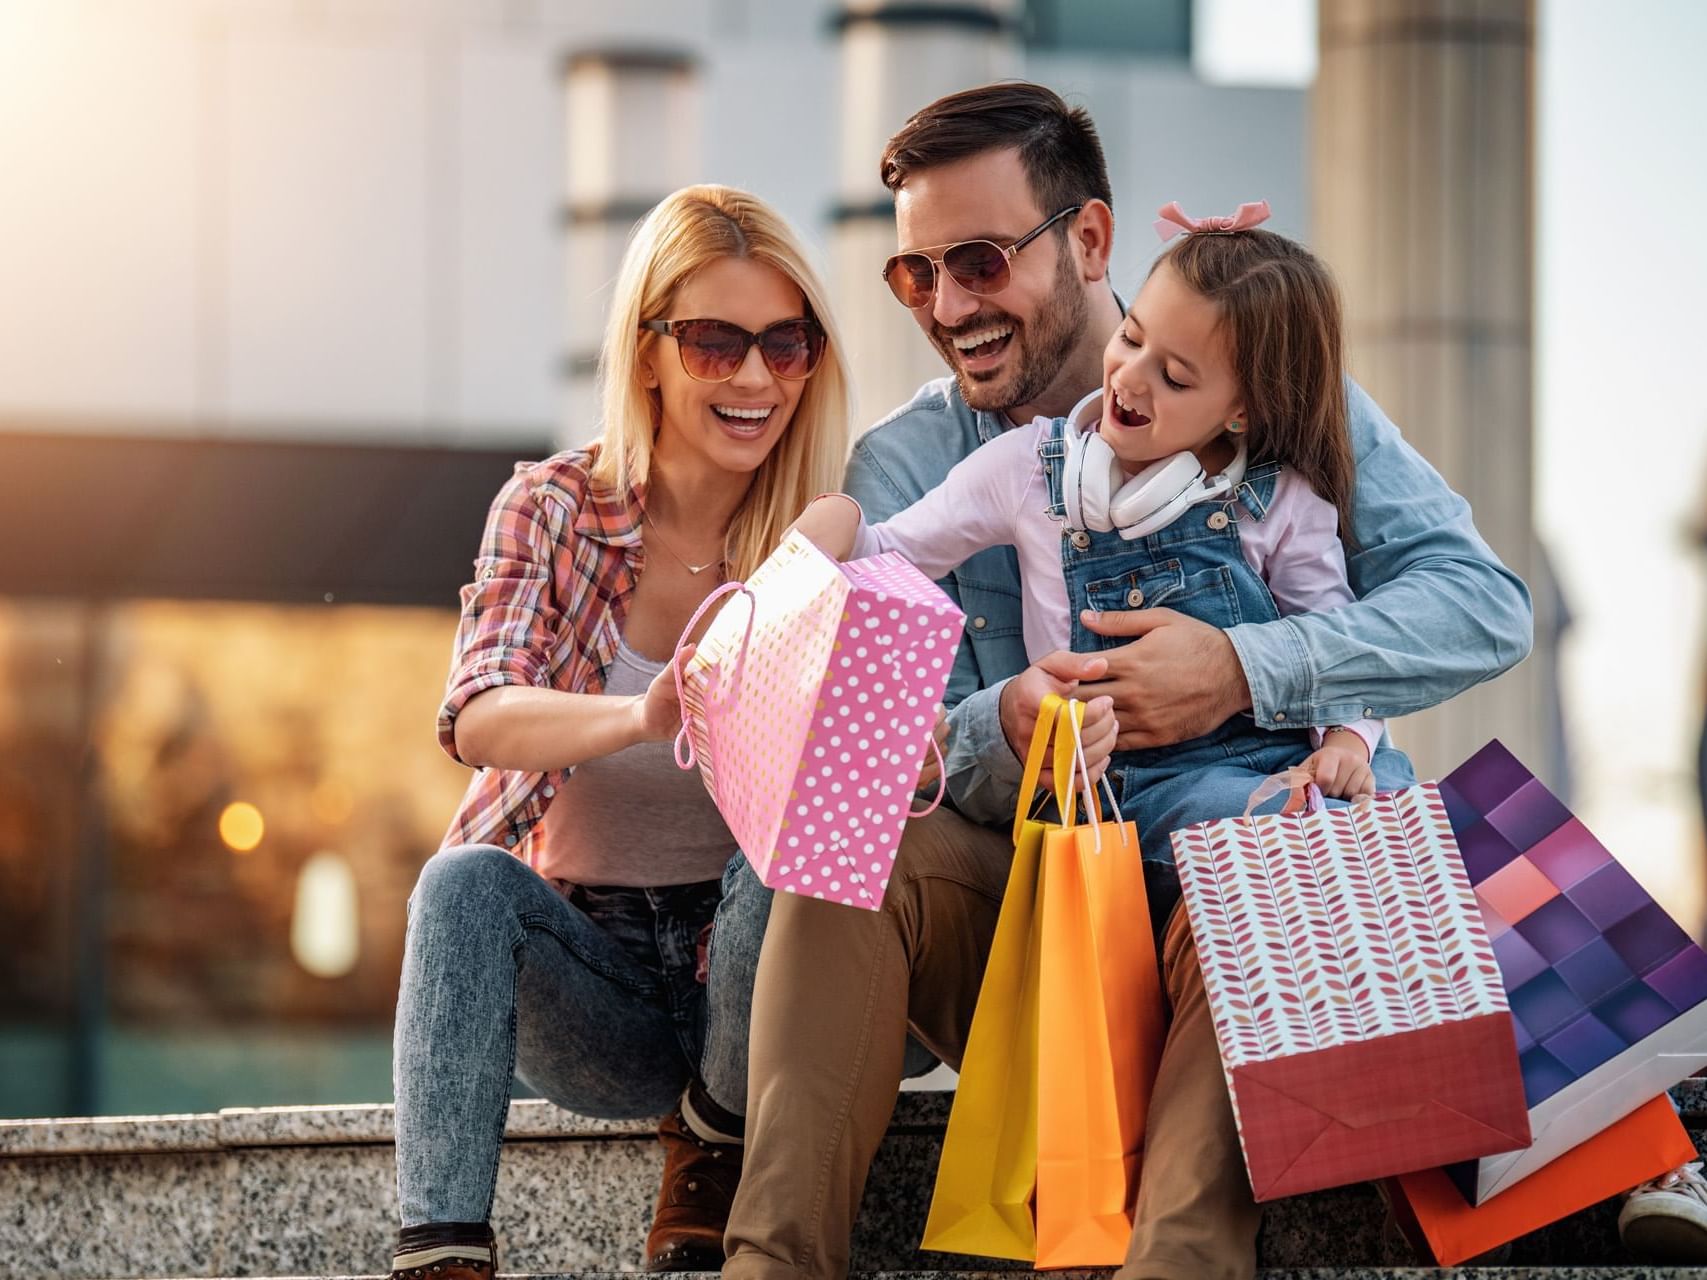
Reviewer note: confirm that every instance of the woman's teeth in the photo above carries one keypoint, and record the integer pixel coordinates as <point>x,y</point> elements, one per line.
<point>746,419</point>
<point>984,342</point>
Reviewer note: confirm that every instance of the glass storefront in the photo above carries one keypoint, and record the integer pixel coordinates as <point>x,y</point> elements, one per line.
<point>210,819</point>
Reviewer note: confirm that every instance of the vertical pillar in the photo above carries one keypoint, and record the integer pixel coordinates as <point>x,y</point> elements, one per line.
<point>632,137</point>
<point>1423,144</point>
<point>895,58</point>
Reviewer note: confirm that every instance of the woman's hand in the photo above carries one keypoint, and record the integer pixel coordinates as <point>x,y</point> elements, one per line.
<point>929,774</point>
<point>1341,766</point>
<point>832,523</point>
<point>658,712</point>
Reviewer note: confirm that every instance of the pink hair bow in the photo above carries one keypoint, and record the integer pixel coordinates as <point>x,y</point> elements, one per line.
<point>1173,219</point>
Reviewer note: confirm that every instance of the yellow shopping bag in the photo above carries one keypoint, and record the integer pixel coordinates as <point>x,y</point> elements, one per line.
<point>984,1183</point>
<point>1041,1157</point>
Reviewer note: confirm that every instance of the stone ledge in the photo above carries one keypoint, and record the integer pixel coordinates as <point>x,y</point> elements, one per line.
<point>1633,1272</point>
<point>368,1123</point>
<point>530,1119</point>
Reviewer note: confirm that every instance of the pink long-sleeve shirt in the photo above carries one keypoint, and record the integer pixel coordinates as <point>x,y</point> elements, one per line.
<point>998,496</point>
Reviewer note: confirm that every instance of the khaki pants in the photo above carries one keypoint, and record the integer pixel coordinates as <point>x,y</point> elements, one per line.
<point>836,994</point>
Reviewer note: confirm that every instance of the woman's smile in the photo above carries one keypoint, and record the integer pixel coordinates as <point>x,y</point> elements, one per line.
<point>743,421</point>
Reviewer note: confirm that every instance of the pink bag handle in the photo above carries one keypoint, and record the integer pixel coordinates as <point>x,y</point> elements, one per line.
<point>941,781</point>
<point>688,759</point>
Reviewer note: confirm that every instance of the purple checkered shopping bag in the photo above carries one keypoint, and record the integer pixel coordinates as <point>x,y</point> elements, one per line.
<point>1608,993</point>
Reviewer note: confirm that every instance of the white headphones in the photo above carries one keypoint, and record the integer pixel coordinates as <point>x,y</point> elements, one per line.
<point>1097,499</point>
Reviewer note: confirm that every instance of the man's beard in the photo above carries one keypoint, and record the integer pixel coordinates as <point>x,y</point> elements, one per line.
<point>1040,348</point>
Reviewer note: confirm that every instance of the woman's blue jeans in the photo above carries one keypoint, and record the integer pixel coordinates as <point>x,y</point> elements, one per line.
<point>591,998</point>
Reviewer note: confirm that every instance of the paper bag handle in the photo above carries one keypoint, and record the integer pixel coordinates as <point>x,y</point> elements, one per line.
<point>1046,713</point>
<point>1288,780</point>
<point>686,759</point>
<point>941,782</point>
<point>1070,762</point>
<point>1069,754</point>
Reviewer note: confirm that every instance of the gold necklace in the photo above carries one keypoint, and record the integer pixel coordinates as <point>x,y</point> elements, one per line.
<point>695,569</point>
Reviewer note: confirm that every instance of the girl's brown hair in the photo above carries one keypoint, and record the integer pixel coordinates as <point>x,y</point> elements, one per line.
<point>1281,312</point>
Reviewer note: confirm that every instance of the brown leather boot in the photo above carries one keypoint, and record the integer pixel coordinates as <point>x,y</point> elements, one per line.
<point>693,1203</point>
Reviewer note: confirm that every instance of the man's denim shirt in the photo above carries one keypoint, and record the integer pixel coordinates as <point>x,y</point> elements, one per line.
<point>1436,612</point>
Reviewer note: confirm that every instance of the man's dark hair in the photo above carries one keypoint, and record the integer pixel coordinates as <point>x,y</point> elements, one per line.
<point>1057,144</point>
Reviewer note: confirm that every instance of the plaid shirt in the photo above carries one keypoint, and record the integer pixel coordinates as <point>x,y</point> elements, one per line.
<point>552,584</point>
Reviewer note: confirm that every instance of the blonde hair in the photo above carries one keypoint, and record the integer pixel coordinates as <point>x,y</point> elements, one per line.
<point>685,232</point>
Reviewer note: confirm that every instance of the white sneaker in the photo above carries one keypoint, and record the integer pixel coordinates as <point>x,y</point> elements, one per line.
<point>1666,1220</point>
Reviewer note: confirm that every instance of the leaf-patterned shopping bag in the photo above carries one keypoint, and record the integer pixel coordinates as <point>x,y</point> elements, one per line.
<point>1363,1026</point>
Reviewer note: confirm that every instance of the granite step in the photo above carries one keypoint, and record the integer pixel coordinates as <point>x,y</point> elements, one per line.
<point>1630,1272</point>
<point>309,1191</point>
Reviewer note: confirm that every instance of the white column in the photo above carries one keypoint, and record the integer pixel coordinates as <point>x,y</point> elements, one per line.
<point>1423,172</point>
<point>633,137</point>
<point>895,59</point>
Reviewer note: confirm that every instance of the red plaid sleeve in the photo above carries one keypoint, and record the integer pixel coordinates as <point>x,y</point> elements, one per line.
<point>510,612</point>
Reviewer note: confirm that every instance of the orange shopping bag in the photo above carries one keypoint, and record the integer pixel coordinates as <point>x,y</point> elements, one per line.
<point>1100,1023</point>
<point>1435,1216</point>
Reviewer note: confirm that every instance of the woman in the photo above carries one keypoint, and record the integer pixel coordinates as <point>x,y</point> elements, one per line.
<point>584,924</point>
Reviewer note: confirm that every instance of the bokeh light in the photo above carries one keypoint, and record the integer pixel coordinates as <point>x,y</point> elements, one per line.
<point>325,926</point>
<point>241,826</point>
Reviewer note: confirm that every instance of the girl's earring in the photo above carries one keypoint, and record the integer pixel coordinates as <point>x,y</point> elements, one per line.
<point>1235,428</point>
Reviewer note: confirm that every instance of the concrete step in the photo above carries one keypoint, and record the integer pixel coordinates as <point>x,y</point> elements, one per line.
<point>310,1191</point>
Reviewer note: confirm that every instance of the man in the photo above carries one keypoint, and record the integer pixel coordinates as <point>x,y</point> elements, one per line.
<point>839,991</point>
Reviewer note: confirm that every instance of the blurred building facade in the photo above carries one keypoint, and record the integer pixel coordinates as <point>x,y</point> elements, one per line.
<point>362,249</point>
<point>1427,217</point>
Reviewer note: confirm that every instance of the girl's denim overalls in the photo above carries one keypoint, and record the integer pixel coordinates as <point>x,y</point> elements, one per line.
<point>1193,566</point>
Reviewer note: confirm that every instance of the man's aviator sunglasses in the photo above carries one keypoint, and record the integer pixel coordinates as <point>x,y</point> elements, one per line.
<point>714,350</point>
<point>977,266</point>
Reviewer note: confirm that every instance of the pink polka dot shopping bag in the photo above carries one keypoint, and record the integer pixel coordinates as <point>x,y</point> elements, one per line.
<point>808,707</point>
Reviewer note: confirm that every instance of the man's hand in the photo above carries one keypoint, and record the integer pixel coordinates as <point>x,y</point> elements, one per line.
<point>1341,766</point>
<point>1178,679</point>
<point>1059,673</point>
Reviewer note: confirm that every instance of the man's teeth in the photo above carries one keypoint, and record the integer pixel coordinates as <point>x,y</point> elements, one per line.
<point>750,415</point>
<point>978,339</point>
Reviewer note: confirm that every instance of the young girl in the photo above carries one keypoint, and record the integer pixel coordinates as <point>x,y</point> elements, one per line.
<point>1210,475</point>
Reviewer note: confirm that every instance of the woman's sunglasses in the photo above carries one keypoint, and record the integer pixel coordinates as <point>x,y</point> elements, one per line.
<point>977,266</point>
<point>714,350</point>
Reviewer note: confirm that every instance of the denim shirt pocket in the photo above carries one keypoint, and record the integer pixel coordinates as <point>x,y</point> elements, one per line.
<point>990,611</point>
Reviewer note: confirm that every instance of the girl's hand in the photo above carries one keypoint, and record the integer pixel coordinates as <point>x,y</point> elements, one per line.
<point>832,523</point>
<point>1098,731</point>
<point>1341,766</point>
<point>658,712</point>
